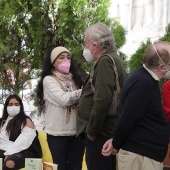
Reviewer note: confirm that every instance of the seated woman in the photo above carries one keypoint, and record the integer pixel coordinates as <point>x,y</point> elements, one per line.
<point>18,136</point>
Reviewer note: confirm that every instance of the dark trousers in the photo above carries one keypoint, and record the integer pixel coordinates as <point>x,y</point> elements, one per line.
<point>94,159</point>
<point>66,151</point>
<point>17,158</point>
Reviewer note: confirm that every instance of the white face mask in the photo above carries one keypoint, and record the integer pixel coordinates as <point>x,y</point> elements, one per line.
<point>13,110</point>
<point>87,54</point>
<point>167,74</point>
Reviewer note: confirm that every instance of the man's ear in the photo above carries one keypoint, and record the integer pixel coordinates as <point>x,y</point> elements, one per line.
<point>161,67</point>
<point>95,44</point>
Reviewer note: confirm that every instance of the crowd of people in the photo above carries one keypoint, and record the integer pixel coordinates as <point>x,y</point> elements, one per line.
<point>77,106</point>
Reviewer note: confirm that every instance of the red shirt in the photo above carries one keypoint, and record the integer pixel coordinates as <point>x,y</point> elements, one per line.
<point>166,99</point>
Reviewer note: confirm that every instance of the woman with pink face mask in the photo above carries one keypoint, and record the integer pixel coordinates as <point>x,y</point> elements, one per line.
<point>18,135</point>
<point>58,92</point>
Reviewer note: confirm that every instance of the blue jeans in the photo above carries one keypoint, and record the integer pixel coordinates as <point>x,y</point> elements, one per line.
<point>66,151</point>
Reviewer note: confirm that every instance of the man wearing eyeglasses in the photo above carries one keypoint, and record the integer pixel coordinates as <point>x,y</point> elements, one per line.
<point>140,135</point>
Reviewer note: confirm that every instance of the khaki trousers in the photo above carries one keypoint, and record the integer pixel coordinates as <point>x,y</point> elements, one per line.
<point>132,161</point>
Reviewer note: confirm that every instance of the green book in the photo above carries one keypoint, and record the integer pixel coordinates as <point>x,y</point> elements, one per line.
<point>33,164</point>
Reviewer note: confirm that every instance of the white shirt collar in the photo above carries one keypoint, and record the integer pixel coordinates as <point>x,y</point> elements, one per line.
<point>151,73</point>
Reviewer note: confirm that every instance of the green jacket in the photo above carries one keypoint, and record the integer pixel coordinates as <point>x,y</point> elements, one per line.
<point>92,115</point>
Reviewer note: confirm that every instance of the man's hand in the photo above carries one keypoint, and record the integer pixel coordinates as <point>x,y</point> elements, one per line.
<point>108,148</point>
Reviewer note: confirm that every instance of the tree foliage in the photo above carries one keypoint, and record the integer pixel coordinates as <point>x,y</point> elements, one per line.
<point>136,59</point>
<point>166,37</point>
<point>75,17</point>
<point>119,34</point>
<point>120,38</point>
<point>23,25</point>
<point>28,28</point>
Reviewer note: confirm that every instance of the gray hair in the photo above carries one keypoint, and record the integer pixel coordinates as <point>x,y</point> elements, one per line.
<point>102,34</point>
<point>157,53</point>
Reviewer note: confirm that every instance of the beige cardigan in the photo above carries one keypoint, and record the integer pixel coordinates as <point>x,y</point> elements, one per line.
<point>56,102</point>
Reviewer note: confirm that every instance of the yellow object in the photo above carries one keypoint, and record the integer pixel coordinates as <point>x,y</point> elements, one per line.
<point>84,167</point>
<point>46,154</point>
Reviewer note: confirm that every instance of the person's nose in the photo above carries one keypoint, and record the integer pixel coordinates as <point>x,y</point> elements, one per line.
<point>65,59</point>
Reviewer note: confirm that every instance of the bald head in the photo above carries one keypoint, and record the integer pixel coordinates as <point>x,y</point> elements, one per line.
<point>157,53</point>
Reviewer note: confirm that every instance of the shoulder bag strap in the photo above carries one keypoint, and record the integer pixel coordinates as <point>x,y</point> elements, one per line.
<point>116,73</point>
